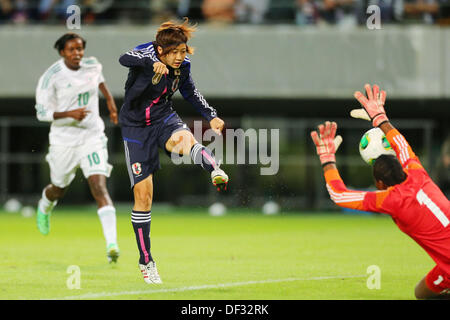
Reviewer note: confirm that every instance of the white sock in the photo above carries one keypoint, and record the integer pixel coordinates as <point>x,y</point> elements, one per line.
<point>46,206</point>
<point>107,215</point>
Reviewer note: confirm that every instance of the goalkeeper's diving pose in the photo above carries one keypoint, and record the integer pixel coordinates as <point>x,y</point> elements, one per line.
<point>405,191</point>
<point>148,122</point>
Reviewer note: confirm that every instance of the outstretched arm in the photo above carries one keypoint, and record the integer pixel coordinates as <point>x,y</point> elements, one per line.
<point>403,150</point>
<point>326,146</point>
<point>373,110</point>
<point>196,99</point>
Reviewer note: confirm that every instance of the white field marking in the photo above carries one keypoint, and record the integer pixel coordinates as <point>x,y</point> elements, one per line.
<point>201,287</point>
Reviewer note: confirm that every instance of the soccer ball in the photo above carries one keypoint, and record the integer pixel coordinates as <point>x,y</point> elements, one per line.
<point>373,144</point>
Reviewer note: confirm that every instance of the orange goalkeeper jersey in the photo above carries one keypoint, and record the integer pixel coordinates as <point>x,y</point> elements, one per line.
<point>417,205</point>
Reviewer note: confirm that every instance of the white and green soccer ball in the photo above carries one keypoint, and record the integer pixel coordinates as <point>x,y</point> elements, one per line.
<point>373,144</point>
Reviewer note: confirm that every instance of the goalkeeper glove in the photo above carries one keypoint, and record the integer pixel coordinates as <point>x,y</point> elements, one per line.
<point>373,105</point>
<point>326,142</point>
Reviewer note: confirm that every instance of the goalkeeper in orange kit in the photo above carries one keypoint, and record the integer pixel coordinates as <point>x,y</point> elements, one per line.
<point>405,191</point>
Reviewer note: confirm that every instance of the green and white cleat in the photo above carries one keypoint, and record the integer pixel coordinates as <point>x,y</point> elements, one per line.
<point>150,273</point>
<point>43,222</point>
<point>112,252</point>
<point>219,179</point>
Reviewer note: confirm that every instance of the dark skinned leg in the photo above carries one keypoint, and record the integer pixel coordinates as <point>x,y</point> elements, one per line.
<point>51,195</point>
<point>97,185</point>
<point>423,292</point>
<point>54,193</point>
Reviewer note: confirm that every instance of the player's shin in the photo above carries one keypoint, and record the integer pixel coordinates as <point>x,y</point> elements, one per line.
<point>141,221</point>
<point>204,157</point>
<point>107,216</point>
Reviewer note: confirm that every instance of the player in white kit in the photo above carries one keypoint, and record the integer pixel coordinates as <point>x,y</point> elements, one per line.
<point>67,96</point>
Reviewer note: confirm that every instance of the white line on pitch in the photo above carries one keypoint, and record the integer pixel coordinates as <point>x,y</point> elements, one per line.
<point>201,287</point>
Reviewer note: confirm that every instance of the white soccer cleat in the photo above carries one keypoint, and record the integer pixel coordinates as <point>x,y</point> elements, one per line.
<point>219,179</point>
<point>150,273</point>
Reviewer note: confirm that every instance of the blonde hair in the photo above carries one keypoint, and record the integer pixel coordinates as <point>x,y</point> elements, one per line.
<point>171,34</point>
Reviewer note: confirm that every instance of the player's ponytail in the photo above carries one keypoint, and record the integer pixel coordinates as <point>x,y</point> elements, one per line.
<point>171,34</point>
<point>388,170</point>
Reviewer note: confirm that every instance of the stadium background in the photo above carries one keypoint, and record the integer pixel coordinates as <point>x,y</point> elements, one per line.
<point>283,69</point>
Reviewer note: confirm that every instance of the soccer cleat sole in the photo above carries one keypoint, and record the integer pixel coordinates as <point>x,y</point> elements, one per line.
<point>220,183</point>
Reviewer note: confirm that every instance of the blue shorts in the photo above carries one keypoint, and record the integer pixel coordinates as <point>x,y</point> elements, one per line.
<point>141,146</point>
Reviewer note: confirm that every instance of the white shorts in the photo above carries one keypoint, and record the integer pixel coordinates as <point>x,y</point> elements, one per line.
<point>64,161</point>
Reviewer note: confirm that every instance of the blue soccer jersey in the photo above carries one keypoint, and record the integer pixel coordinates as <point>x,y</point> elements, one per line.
<point>148,98</point>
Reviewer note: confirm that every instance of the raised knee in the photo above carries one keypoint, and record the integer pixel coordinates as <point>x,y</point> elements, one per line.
<point>181,142</point>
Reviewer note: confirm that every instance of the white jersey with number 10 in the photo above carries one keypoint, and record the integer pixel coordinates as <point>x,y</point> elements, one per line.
<point>61,89</point>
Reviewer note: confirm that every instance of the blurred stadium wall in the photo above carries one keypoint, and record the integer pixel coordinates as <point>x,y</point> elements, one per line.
<point>278,77</point>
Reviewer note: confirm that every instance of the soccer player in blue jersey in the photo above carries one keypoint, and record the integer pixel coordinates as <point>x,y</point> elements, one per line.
<point>148,121</point>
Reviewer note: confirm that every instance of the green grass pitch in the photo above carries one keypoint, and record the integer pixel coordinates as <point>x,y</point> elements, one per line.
<point>242,255</point>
